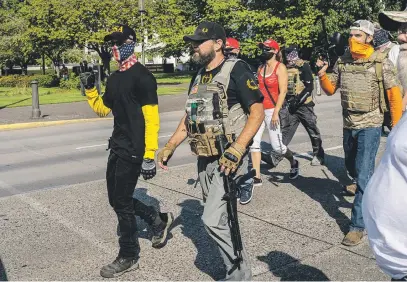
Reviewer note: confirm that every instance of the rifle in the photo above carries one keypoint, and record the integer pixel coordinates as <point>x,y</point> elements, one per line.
<point>231,198</point>
<point>329,52</point>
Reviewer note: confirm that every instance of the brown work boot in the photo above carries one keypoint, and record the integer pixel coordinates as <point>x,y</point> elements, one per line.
<point>353,238</point>
<point>350,189</point>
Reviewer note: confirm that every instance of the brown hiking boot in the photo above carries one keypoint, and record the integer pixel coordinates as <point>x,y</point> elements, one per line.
<point>350,189</point>
<point>353,238</point>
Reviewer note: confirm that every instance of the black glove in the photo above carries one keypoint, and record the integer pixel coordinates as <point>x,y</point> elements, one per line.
<point>148,169</point>
<point>293,104</point>
<point>88,79</point>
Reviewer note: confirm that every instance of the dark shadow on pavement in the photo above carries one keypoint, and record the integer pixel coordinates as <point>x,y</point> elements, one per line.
<point>208,259</point>
<point>3,107</point>
<point>328,192</point>
<point>293,270</point>
<point>144,230</point>
<point>3,274</point>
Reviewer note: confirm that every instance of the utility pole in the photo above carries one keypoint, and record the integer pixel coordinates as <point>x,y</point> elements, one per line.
<point>142,11</point>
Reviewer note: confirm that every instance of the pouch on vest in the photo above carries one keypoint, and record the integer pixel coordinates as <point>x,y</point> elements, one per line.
<point>208,114</point>
<point>359,85</point>
<point>295,85</point>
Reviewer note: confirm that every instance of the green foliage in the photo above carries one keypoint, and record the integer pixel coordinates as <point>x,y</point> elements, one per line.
<point>60,29</point>
<point>25,81</point>
<point>72,83</point>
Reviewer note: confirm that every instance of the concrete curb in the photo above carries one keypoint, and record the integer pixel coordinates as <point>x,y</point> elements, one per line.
<point>26,125</point>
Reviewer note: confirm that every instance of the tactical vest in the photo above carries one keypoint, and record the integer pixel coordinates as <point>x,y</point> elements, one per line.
<point>208,114</point>
<point>362,90</point>
<point>295,85</point>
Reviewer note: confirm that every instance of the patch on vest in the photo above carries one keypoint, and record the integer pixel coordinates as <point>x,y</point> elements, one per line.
<point>194,90</point>
<point>207,78</point>
<point>223,219</point>
<point>251,84</point>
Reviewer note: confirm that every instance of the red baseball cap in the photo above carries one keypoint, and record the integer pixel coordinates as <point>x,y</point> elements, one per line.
<point>232,43</point>
<point>270,43</point>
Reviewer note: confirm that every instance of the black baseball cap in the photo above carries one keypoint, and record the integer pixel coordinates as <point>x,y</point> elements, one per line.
<point>207,31</point>
<point>120,34</point>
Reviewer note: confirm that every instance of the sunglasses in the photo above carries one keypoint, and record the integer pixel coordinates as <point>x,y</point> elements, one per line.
<point>267,49</point>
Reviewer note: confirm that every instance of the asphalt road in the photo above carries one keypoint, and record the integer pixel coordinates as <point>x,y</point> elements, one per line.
<point>42,158</point>
<point>53,231</point>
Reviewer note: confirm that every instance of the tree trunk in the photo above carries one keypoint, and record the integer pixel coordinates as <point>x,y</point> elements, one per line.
<point>43,64</point>
<point>56,67</point>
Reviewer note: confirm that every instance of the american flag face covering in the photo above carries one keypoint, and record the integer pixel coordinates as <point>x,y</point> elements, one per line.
<point>123,52</point>
<point>292,57</point>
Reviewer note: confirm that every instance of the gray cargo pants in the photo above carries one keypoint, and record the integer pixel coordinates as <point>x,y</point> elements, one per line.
<point>215,216</point>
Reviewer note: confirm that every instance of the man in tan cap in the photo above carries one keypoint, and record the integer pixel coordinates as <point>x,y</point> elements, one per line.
<point>362,77</point>
<point>397,21</point>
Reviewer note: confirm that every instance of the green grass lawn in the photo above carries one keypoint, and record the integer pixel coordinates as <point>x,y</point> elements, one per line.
<point>11,97</point>
<point>173,78</point>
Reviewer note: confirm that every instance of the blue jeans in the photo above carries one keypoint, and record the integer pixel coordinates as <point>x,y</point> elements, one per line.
<point>360,146</point>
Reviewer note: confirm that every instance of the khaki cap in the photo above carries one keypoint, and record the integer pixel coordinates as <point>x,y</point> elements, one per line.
<point>392,20</point>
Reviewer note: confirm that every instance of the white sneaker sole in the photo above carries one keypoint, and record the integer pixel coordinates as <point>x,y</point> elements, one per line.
<point>162,243</point>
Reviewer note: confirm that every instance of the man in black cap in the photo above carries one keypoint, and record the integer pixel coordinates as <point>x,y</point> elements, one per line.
<point>131,95</point>
<point>221,96</point>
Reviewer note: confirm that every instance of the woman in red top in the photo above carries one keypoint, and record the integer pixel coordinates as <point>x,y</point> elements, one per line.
<point>273,81</point>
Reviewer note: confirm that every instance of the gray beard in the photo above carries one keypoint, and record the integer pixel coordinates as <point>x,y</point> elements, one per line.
<point>402,66</point>
<point>203,60</point>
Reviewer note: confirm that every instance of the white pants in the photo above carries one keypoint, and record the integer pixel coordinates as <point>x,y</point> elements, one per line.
<point>276,138</point>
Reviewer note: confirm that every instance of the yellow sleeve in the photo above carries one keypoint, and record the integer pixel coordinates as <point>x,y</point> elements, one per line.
<point>96,102</point>
<point>396,104</point>
<point>152,121</point>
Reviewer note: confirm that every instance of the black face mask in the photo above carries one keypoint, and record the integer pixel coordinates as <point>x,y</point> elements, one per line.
<point>265,56</point>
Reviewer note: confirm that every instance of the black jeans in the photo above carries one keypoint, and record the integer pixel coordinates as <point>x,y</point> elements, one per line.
<point>306,116</point>
<point>121,178</point>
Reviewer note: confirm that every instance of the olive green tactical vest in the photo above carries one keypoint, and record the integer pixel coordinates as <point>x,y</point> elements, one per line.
<point>295,85</point>
<point>361,83</point>
<point>208,114</point>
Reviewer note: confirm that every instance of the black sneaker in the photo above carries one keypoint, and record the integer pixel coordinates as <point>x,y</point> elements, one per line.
<point>160,231</point>
<point>295,170</point>
<point>119,267</point>
<point>246,194</point>
<point>257,181</point>
<point>271,158</point>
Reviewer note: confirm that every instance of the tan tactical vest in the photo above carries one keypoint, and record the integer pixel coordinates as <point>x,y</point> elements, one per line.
<point>208,114</point>
<point>295,85</point>
<point>361,83</point>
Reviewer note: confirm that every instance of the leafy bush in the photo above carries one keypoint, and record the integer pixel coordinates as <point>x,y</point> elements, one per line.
<point>72,83</point>
<point>25,80</point>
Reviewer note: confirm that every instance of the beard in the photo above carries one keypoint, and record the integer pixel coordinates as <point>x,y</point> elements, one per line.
<point>203,59</point>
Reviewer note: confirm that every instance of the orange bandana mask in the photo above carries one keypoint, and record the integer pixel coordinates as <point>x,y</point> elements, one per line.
<point>360,50</point>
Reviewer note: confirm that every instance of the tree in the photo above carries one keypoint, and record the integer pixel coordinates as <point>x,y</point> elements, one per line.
<point>15,47</point>
<point>88,24</point>
<point>47,28</point>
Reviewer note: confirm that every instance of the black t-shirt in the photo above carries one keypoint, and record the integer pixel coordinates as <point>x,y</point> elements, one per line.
<point>243,87</point>
<point>126,93</point>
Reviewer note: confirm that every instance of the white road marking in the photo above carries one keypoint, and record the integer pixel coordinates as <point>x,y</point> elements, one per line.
<point>91,146</point>
<point>326,150</point>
